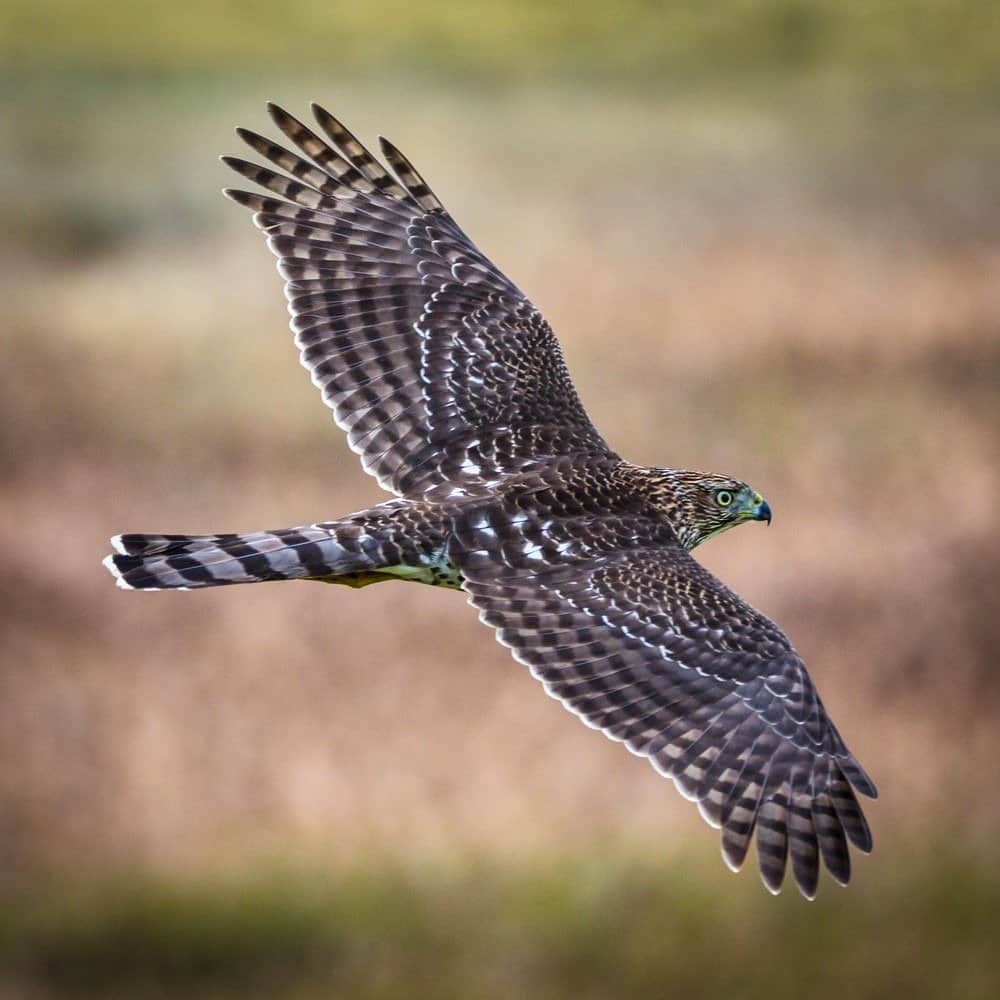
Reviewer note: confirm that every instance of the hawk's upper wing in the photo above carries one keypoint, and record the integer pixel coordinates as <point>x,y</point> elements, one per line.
<point>437,367</point>
<point>643,643</point>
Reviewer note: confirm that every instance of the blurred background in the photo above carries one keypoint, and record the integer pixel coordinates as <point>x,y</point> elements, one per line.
<point>767,234</point>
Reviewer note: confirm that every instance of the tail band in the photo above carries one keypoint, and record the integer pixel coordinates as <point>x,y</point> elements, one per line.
<point>184,562</point>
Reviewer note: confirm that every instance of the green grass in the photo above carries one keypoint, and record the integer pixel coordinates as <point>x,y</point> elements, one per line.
<point>581,928</point>
<point>948,46</point>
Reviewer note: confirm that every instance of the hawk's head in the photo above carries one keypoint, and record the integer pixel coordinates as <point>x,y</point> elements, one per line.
<point>701,505</point>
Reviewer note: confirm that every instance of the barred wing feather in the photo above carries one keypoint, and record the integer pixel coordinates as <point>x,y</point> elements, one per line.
<point>647,646</point>
<point>433,362</point>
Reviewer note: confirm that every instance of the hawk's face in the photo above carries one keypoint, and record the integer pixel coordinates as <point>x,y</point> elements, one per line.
<point>701,505</point>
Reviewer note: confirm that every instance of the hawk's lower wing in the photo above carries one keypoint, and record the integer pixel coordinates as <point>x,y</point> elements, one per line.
<point>647,646</point>
<point>436,366</point>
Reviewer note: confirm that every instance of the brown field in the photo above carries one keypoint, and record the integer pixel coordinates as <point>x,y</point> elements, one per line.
<point>810,302</point>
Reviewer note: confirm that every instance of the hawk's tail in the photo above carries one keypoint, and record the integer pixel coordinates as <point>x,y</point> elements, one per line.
<point>182,562</point>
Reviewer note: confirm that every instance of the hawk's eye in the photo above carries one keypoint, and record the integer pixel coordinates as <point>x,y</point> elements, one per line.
<point>723,498</point>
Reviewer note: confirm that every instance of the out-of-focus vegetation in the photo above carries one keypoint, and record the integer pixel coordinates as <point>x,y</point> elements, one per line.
<point>944,48</point>
<point>768,237</point>
<point>581,927</point>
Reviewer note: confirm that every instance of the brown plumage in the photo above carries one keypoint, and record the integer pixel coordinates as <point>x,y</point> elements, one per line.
<point>452,389</point>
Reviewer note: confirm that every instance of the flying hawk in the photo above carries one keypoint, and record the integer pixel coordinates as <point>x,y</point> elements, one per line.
<point>452,389</point>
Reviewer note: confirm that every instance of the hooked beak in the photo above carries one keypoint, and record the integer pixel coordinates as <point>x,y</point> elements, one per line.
<point>761,511</point>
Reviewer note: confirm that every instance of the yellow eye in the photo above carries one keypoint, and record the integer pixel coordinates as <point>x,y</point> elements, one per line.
<point>723,498</point>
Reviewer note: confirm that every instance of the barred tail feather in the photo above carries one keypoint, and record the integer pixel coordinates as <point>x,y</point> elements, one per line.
<point>185,562</point>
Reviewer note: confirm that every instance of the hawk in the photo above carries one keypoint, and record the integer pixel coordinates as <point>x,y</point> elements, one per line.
<point>452,389</point>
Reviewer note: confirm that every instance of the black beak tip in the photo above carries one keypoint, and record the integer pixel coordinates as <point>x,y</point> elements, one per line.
<point>764,512</point>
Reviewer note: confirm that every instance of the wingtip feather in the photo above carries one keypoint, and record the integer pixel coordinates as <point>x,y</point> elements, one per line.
<point>277,113</point>
<point>734,864</point>
<point>774,890</point>
<point>320,113</point>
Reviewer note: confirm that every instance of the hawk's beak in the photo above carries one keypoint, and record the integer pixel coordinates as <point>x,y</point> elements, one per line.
<point>762,510</point>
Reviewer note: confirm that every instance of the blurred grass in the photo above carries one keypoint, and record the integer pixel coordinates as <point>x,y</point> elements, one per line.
<point>807,301</point>
<point>942,48</point>
<point>576,927</point>
<point>766,234</point>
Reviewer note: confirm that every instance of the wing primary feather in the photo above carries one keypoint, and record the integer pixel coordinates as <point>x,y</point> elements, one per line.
<point>410,178</point>
<point>318,151</point>
<point>354,150</point>
<point>829,829</point>
<point>803,847</point>
<point>852,819</point>
<point>739,814</point>
<point>297,191</point>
